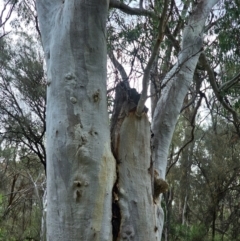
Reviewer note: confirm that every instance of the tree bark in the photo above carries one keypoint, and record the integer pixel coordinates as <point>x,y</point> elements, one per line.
<point>133,190</point>
<point>177,82</point>
<point>80,164</point>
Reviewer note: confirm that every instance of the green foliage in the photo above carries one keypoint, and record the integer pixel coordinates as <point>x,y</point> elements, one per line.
<point>20,196</point>
<point>209,181</point>
<point>188,233</point>
<point>22,151</point>
<point>228,29</point>
<point>23,95</point>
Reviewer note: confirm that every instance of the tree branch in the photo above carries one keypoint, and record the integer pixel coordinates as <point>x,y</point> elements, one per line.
<point>230,83</point>
<point>216,90</point>
<point>133,11</point>
<point>119,67</point>
<point>192,134</point>
<point>173,40</point>
<point>146,76</point>
<point>2,22</point>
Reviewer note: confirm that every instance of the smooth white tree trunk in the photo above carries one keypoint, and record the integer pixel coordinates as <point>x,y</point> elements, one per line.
<point>80,164</point>
<point>177,83</point>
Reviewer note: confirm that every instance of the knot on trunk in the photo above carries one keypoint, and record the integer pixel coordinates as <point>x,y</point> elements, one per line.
<point>160,185</point>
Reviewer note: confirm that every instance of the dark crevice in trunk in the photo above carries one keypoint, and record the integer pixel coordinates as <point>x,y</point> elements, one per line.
<point>116,214</point>
<point>116,122</point>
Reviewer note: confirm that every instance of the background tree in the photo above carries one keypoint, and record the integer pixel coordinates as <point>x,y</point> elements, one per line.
<point>22,105</point>
<point>22,185</point>
<point>213,177</point>
<point>22,115</point>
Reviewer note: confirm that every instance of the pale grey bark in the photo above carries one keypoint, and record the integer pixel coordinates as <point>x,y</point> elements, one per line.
<point>134,180</point>
<point>177,82</point>
<point>80,164</point>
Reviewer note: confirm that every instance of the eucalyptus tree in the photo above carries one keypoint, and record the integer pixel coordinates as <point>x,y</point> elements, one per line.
<point>22,117</point>
<point>102,188</point>
<point>22,104</point>
<point>22,184</point>
<point>212,185</point>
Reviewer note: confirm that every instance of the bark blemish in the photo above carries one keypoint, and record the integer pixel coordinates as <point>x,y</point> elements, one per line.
<point>78,183</point>
<point>96,96</point>
<point>78,195</point>
<point>73,100</point>
<point>84,139</point>
<point>160,185</point>
<point>78,192</point>
<point>47,54</point>
<point>49,82</point>
<point>78,186</point>
<point>93,132</point>
<point>69,76</point>
<point>128,233</point>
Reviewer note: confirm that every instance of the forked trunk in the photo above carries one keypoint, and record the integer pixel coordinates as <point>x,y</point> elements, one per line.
<point>81,169</point>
